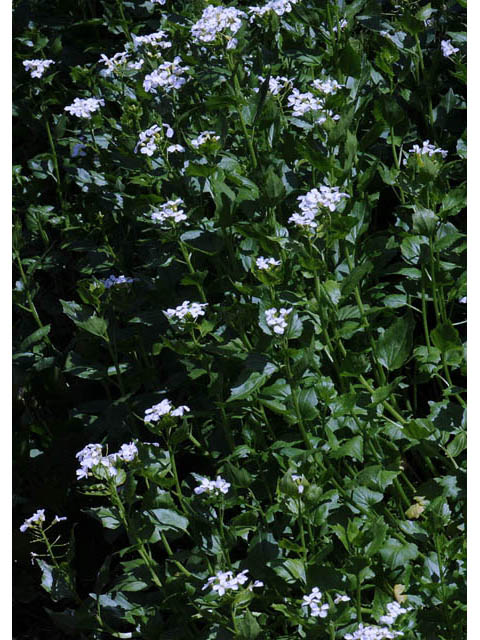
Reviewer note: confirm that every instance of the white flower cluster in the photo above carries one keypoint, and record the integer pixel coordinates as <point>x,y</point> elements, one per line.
<point>171,210</point>
<point>277,6</point>
<point>265,264</point>
<point>92,456</point>
<point>313,600</point>
<point>275,84</point>
<point>111,281</point>
<point>147,140</point>
<point>394,609</point>
<point>203,138</point>
<point>427,149</point>
<point>313,202</point>
<point>84,107</point>
<point>164,408</point>
<point>38,516</point>
<point>224,581</point>
<point>328,86</point>
<point>186,311</point>
<point>215,21</point>
<point>302,103</point>
<point>372,633</point>
<point>37,67</point>
<point>168,76</point>
<point>448,49</point>
<point>276,319</point>
<point>216,487</point>
<point>156,39</point>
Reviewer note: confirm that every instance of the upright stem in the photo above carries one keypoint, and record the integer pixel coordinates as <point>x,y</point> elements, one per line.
<point>55,165</point>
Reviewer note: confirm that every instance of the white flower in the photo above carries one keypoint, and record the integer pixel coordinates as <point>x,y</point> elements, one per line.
<point>428,149</point>
<point>224,581</point>
<point>171,210</point>
<point>203,138</point>
<point>112,63</point>
<point>113,280</point>
<point>164,408</point>
<point>277,6</point>
<point>37,67</point>
<point>372,633</point>
<point>136,65</point>
<point>324,197</point>
<point>394,609</point>
<point>463,300</point>
<point>58,519</point>
<point>298,480</point>
<point>158,1</point>
<point>328,87</point>
<point>38,516</point>
<point>447,48</point>
<point>215,487</point>
<point>175,148</point>
<point>340,598</point>
<point>215,21</point>
<point>186,311</point>
<point>147,140</point>
<point>275,84</point>
<point>313,601</point>
<point>302,103</point>
<point>153,39</point>
<point>277,319</point>
<point>303,220</point>
<point>168,76</point>
<point>342,24</point>
<point>84,107</point>
<point>128,452</point>
<point>265,264</point>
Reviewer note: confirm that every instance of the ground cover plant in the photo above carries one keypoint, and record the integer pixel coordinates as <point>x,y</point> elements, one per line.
<point>239,319</point>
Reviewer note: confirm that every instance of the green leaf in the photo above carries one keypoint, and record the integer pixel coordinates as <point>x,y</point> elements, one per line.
<point>394,346</point>
<point>355,277</point>
<point>252,383</point>
<point>398,554</point>
<point>458,444</point>
<point>208,242</point>
<point>332,287</point>
<point>56,581</point>
<point>352,448</point>
<point>247,627</point>
<point>87,321</point>
<point>167,520</point>
<point>379,532</point>
<point>424,221</point>
<point>109,517</point>
<point>366,498</point>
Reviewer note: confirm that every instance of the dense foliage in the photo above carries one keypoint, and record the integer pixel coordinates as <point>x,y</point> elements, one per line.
<point>239,319</point>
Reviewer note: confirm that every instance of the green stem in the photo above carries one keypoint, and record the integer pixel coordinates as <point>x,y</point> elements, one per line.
<point>186,256</point>
<point>359,598</point>
<point>380,375</point>
<point>239,97</point>
<point>446,610</point>
<point>175,477</point>
<point>169,551</point>
<point>140,547</point>
<point>293,387</point>
<point>55,165</point>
